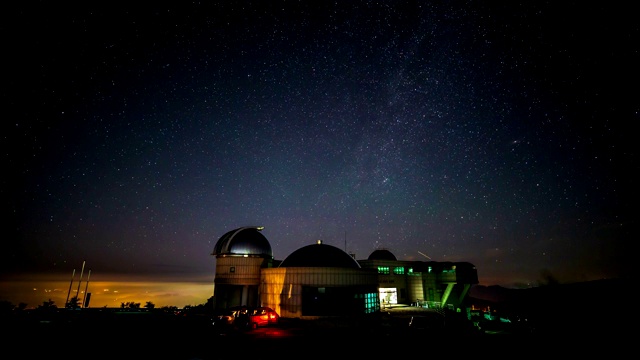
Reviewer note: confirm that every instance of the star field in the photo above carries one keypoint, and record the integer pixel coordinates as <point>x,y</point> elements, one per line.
<point>497,134</point>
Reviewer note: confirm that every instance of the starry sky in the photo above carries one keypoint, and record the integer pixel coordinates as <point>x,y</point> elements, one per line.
<point>496,133</point>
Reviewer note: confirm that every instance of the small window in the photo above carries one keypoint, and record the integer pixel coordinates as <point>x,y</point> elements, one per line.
<point>232,269</point>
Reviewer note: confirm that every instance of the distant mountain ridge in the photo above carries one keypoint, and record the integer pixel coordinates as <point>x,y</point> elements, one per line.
<point>492,293</point>
<point>577,308</point>
<point>571,291</point>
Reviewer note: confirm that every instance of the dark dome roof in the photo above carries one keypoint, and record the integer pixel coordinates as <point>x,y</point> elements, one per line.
<point>243,241</point>
<point>320,255</point>
<point>382,254</point>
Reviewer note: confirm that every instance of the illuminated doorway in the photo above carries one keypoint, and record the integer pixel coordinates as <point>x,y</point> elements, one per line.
<point>388,296</point>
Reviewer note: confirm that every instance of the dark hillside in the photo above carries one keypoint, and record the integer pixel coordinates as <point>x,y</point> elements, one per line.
<point>594,307</point>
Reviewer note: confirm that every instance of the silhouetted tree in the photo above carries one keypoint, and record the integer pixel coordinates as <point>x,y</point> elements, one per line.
<point>548,279</point>
<point>130,305</point>
<point>6,306</point>
<point>133,305</point>
<point>210,304</point>
<point>149,305</point>
<point>169,309</point>
<point>48,305</point>
<point>73,303</point>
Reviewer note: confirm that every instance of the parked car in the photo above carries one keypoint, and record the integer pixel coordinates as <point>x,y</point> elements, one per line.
<point>263,316</point>
<point>246,317</point>
<point>224,319</point>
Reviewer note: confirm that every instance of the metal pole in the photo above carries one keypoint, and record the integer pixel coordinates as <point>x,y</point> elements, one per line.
<point>79,282</point>
<point>86,286</point>
<point>70,284</point>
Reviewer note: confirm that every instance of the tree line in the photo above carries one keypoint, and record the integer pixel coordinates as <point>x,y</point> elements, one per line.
<point>74,303</point>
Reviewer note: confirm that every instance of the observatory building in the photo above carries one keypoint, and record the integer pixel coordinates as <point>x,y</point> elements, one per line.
<point>320,280</point>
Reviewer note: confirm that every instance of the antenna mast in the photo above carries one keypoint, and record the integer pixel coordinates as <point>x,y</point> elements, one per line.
<point>79,282</point>
<point>86,286</point>
<point>345,241</point>
<point>70,284</point>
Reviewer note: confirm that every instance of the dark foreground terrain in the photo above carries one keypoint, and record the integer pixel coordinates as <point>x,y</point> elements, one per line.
<point>102,334</point>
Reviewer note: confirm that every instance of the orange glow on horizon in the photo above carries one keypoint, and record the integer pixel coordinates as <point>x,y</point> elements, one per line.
<point>107,293</point>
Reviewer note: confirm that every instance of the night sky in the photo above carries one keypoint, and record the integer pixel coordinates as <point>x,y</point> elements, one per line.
<point>496,133</point>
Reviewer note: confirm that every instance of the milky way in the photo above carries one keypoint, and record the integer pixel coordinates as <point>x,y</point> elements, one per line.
<point>498,134</point>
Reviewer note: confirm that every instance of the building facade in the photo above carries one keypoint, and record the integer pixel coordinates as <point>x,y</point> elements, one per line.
<point>320,280</point>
